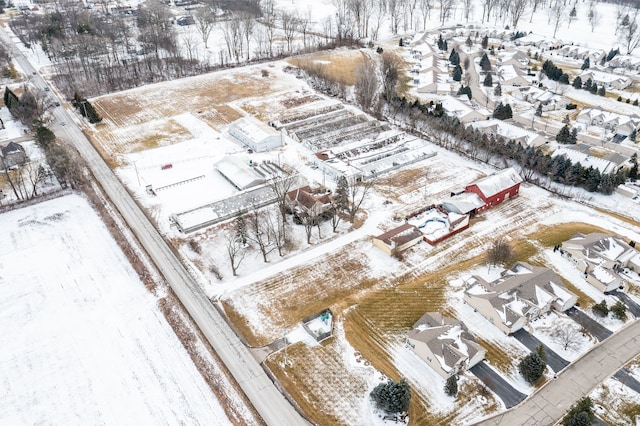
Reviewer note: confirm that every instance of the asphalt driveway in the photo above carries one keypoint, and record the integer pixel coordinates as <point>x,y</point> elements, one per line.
<point>494,381</point>
<point>597,330</point>
<point>555,361</point>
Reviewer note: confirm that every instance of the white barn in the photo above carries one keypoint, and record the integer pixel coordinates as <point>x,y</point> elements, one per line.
<point>255,134</point>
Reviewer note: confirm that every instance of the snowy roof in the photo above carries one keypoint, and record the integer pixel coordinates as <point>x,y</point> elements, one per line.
<point>253,129</point>
<point>238,171</point>
<point>603,77</point>
<point>400,235</point>
<point>507,130</point>
<point>586,160</point>
<point>498,182</point>
<point>463,203</point>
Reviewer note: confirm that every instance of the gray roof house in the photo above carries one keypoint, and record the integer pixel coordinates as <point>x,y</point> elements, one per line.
<point>521,294</point>
<point>12,155</point>
<point>444,344</point>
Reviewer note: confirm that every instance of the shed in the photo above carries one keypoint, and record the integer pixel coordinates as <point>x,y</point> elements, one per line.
<point>398,239</point>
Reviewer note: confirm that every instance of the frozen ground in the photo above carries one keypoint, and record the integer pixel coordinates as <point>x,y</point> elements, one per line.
<point>83,340</point>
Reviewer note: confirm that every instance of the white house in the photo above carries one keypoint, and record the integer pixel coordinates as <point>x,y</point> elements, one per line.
<point>444,344</point>
<point>255,134</point>
<point>523,293</point>
<point>510,75</point>
<point>462,108</point>
<point>510,131</point>
<point>608,80</point>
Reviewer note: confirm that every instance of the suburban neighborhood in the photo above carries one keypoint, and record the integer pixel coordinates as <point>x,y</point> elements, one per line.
<point>320,212</point>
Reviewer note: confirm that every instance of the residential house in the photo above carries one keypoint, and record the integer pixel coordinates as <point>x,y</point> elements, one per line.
<point>516,58</point>
<point>576,155</point>
<point>510,75</point>
<point>398,239</point>
<point>540,41</point>
<point>608,80</point>
<point>601,257</point>
<point>444,344</point>
<point>255,134</point>
<point>308,202</point>
<point>510,131</point>
<point>582,53</point>
<point>522,294</point>
<point>12,155</point>
<point>462,108</point>
<point>616,123</point>
<point>534,95</point>
<point>625,61</point>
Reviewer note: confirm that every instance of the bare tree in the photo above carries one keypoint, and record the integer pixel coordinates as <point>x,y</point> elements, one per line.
<point>446,6</point>
<point>205,22</point>
<point>516,9</point>
<point>425,11</point>
<point>280,187</point>
<point>235,249</point>
<point>10,177</point>
<point>557,14</point>
<point>35,174</point>
<point>259,232</point>
<point>276,230</point>
<point>366,86</point>
<point>269,19</point>
<point>594,16</point>
<point>289,22</point>
<point>629,34</point>
<point>390,68</point>
<point>357,193</point>
<point>568,337</point>
<point>500,252</point>
<point>467,8</point>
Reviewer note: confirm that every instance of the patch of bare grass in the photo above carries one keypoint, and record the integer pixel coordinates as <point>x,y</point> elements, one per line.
<point>338,65</point>
<point>550,236</point>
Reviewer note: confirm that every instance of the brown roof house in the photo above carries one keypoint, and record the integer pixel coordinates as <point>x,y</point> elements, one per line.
<point>305,200</point>
<point>12,155</point>
<point>445,344</point>
<point>398,239</point>
<point>523,293</point>
<point>602,257</point>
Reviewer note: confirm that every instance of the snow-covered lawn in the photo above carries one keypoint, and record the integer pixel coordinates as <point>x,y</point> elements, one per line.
<point>83,340</point>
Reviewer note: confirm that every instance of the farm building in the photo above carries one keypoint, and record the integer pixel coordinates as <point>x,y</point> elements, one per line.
<point>496,188</point>
<point>437,224</point>
<point>243,173</point>
<point>255,134</point>
<point>464,203</point>
<point>398,239</point>
<point>521,294</point>
<point>445,344</point>
<point>602,257</point>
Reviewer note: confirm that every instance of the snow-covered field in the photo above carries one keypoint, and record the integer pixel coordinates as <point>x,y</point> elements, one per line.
<point>83,340</point>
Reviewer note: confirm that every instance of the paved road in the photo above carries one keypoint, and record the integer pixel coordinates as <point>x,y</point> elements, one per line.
<point>552,401</point>
<point>597,330</point>
<point>261,391</point>
<point>494,381</point>
<point>555,361</point>
<point>474,80</point>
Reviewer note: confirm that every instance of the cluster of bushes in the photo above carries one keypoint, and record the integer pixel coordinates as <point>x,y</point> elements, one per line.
<point>64,163</point>
<point>588,85</point>
<point>503,112</point>
<point>554,73</point>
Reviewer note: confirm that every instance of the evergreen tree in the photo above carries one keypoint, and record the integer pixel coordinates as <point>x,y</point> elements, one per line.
<point>633,171</point>
<point>564,78</point>
<point>401,43</point>
<point>454,58</point>
<point>592,181</point>
<point>573,136</point>
<point>587,84</point>
<point>586,64</point>
<point>502,111</point>
<point>485,42</point>
<point>577,413</point>
<point>612,54</point>
<point>601,91</point>
<point>457,73</point>
<point>577,82</point>
<point>451,386</point>
<point>619,99</point>
<point>531,367</point>
<point>392,397</point>
<point>600,309</point>
<point>594,88</point>
<point>485,63</point>
<point>538,112</point>
<point>440,42</point>
<point>488,80</point>
<point>635,102</point>
<point>498,90</point>
<point>564,135</point>
<point>468,42</point>
<point>44,136</point>
<point>445,46</point>
<point>464,90</point>
<point>619,310</point>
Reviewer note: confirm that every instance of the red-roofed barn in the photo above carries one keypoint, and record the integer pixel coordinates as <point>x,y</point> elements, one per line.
<point>496,188</point>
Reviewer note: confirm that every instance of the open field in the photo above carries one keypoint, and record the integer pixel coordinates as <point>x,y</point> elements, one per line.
<point>84,341</point>
<point>339,65</point>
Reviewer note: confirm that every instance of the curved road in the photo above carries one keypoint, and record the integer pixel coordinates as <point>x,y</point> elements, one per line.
<point>261,391</point>
<point>553,400</point>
